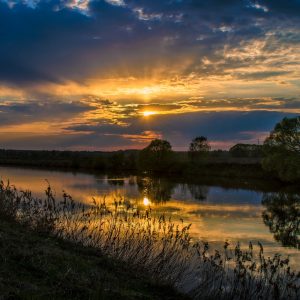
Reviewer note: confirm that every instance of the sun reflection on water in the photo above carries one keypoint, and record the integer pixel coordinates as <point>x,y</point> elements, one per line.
<point>146,201</point>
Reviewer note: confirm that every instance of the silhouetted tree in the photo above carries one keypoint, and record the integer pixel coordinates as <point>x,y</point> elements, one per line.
<point>131,161</point>
<point>199,147</point>
<point>282,150</point>
<point>282,216</point>
<point>157,156</point>
<point>117,161</point>
<point>286,135</point>
<point>246,150</point>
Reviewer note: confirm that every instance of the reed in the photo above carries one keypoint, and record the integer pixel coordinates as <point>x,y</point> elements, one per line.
<point>155,245</point>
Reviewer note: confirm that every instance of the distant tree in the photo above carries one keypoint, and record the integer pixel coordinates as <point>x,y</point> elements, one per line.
<point>282,150</point>
<point>157,156</point>
<point>246,150</point>
<point>199,147</point>
<point>131,161</point>
<point>99,163</point>
<point>117,160</point>
<point>219,153</point>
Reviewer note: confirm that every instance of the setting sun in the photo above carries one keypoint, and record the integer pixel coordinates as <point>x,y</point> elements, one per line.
<point>149,113</point>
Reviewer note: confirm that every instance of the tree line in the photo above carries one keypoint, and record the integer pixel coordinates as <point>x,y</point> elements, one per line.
<point>280,153</point>
<point>279,156</point>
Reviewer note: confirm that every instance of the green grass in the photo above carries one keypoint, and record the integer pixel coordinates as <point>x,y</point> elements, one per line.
<point>35,266</point>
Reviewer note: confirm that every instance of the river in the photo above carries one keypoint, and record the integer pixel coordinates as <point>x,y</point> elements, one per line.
<point>217,213</point>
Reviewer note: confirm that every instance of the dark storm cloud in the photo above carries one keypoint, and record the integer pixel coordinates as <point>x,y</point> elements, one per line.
<point>52,42</point>
<point>286,8</point>
<point>44,141</point>
<point>20,73</point>
<point>261,75</point>
<point>47,111</point>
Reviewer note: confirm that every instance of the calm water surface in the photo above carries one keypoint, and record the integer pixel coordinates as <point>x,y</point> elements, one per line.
<point>217,214</point>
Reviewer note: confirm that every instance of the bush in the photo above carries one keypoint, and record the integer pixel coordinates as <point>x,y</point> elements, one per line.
<point>282,150</point>
<point>158,156</point>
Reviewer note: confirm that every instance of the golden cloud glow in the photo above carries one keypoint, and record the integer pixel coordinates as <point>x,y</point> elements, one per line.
<point>149,113</point>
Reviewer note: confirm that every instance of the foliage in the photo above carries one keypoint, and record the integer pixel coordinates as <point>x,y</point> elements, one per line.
<point>117,161</point>
<point>36,266</point>
<point>199,147</point>
<point>282,216</point>
<point>158,155</point>
<point>91,160</point>
<point>286,135</point>
<point>282,150</point>
<point>155,246</point>
<point>246,150</point>
<point>177,163</point>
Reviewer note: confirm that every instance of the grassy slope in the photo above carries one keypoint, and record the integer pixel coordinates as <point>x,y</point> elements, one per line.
<point>38,267</point>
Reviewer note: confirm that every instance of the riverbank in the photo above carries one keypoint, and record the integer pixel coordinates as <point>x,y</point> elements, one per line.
<point>36,266</point>
<point>128,161</point>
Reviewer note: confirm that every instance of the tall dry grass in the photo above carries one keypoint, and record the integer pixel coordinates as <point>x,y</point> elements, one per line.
<point>154,244</point>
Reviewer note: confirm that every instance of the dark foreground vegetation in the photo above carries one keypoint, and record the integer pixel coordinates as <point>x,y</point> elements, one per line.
<point>78,250</point>
<point>277,158</point>
<point>37,266</point>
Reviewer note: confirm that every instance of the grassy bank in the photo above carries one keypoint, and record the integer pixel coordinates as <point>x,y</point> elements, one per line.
<point>36,266</point>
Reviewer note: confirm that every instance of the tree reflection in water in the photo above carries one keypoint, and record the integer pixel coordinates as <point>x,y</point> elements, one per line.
<point>115,181</point>
<point>157,190</point>
<point>199,192</point>
<point>282,216</point>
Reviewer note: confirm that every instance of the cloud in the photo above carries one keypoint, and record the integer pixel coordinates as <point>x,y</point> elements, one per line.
<point>85,71</point>
<point>14,114</point>
<point>261,75</point>
<point>223,129</point>
<point>54,42</point>
<point>95,123</point>
<point>145,136</point>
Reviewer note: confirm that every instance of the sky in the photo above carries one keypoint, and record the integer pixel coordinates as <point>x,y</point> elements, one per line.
<point>115,74</point>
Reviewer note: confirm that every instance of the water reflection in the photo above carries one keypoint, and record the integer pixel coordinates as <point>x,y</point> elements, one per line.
<point>199,192</point>
<point>117,181</point>
<point>216,212</point>
<point>156,190</point>
<point>282,216</point>
<point>160,190</point>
